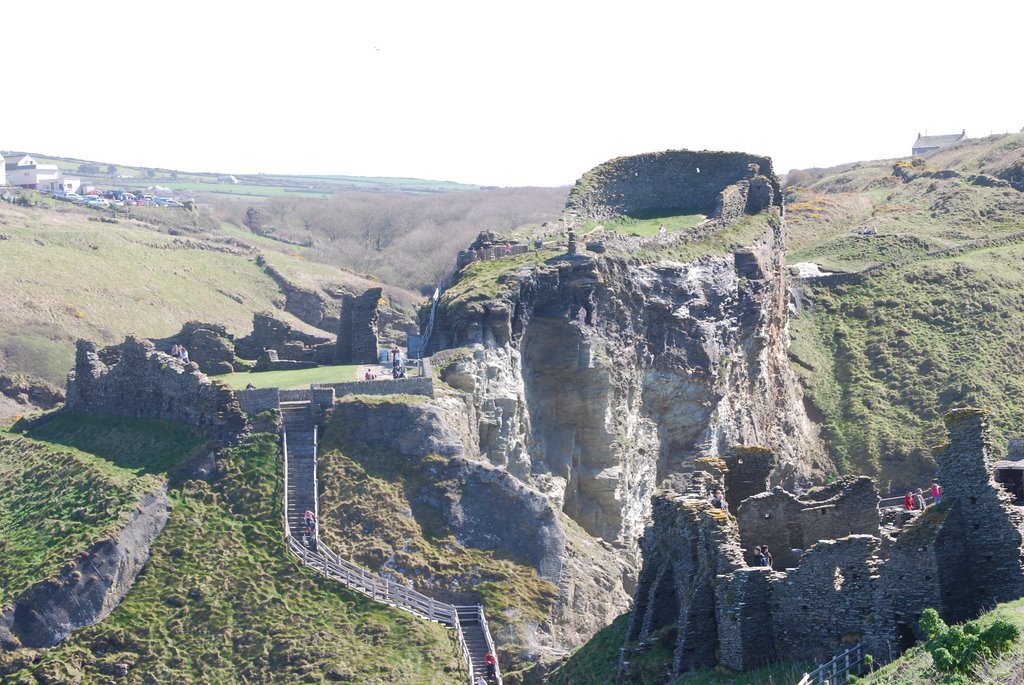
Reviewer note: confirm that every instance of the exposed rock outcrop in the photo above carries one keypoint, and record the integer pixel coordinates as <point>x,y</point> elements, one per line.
<point>487,508</point>
<point>596,379</point>
<point>88,588</point>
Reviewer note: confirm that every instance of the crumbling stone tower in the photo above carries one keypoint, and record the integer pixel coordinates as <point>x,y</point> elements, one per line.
<point>357,328</point>
<point>989,525</point>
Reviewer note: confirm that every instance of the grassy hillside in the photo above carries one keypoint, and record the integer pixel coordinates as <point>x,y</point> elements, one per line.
<point>221,602</point>
<point>916,665</point>
<point>54,503</point>
<point>598,663</point>
<point>67,275</point>
<point>372,513</point>
<point>937,318</point>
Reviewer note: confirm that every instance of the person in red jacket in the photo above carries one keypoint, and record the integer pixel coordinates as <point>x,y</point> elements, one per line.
<point>908,501</point>
<point>491,663</point>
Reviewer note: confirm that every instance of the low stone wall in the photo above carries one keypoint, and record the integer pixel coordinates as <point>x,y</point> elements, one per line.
<point>145,383</point>
<point>258,400</point>
<point>387,386</point>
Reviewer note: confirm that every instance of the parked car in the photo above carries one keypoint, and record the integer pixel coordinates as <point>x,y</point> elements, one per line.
<point>96,201</point>
<point>73,197</point>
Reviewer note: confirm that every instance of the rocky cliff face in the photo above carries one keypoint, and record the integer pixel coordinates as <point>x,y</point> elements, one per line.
<point>596,379</point>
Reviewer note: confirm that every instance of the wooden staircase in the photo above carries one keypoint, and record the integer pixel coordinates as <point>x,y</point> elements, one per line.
<point>298,445</point>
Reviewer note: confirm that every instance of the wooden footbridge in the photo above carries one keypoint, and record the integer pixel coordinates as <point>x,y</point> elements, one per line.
<point>298,446</point>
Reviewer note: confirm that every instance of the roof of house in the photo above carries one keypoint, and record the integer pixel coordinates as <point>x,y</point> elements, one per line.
<point>939,141</point>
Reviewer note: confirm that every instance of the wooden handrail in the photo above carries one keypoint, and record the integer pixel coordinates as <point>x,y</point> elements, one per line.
<point>838,670</point>
<point>331,565</point>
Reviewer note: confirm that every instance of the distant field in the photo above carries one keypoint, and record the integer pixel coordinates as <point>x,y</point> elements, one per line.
<point>250,185</point>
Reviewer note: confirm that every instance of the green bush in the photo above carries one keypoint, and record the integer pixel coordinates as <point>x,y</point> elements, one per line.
<point>957,649</point>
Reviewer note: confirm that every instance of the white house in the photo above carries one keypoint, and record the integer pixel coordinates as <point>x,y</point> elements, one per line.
<point>61,185</point>
<point>3,171</point>
<point>925,145</point>
<point>23,171</point>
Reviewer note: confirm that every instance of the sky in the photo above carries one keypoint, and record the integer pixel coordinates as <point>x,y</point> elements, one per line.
<point>499,93</point>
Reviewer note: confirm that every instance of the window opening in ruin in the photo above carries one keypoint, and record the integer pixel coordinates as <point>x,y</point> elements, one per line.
<point>838,580</point>
<point>977,526</point>
<point>974,500</point>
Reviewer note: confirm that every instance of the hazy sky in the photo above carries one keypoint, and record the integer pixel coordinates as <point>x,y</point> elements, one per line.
<point>510,93</point>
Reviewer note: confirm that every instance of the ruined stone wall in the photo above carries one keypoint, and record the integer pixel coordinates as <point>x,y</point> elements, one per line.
<point>823,605</point>
<point>258,400</point>
<point>744,619</point>
<point>145,383</point>
<point>991,523</point>
<point>269,333</point>
<point>386,386</point>
<point>851,509</point>
<point>788,524</point>
<point>960,557</point>
<point>209,345</point>
<point>749,468</point>
<point>357,328</point>
<point>687,546</point>
<point>773,519</point>
<point>675,181</point>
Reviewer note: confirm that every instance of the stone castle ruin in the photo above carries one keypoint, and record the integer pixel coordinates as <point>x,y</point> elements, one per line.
<point>724,185</point>
<point>357,328</point>
<point>840,577</point>
<point>138,381</point>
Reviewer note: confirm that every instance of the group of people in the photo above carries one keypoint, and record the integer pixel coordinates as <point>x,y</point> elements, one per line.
<point>763,556</point>
<point>397,365</point>
<point>915,500</point>
<point>179,352</point>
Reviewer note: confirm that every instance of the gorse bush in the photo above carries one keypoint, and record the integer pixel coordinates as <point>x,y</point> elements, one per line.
<point>958,649</point>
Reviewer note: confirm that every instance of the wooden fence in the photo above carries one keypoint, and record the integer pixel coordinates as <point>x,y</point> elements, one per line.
<point>837,671</point>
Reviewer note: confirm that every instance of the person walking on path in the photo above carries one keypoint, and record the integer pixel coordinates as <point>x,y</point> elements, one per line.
<point>768,559</point>
<point>908,502</point>
<point>919,500</point>
<point>491,663</point>
<point>310,520</point>
<point>936,493</point>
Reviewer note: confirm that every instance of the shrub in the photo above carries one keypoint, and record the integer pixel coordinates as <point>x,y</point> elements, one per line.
<point>957,649</point>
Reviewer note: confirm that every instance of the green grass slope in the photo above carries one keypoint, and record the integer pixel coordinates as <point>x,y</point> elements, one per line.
<point>55,502</point>
<point>372,511</point>
<point>220,601</point>
<point>66,275</point>
<point>598,663</point>
<point>936,321</point>
<point>915,667</point>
